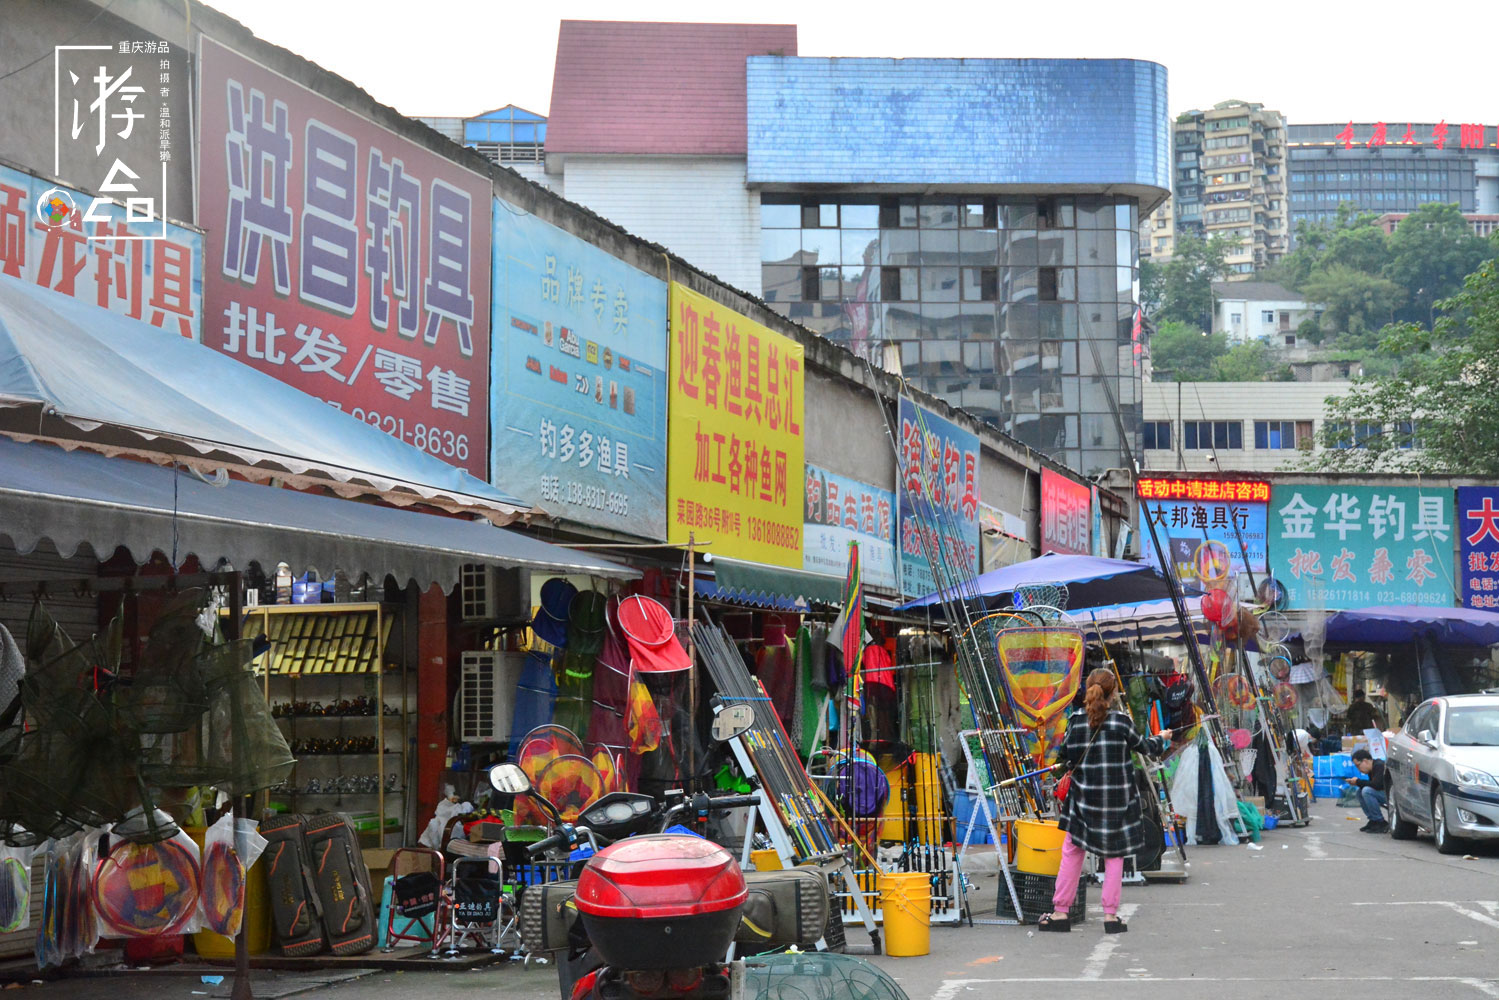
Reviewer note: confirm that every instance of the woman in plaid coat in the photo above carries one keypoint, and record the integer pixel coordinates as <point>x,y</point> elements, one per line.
<point>1101,813</point>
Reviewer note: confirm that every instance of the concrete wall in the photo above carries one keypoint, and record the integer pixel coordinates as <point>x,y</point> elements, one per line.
<point>1244,402</point>
<point>696,207</point>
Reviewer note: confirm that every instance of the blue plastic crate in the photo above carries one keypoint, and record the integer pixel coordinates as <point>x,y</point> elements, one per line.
<point>966,813</point>
<point>1334,765</point>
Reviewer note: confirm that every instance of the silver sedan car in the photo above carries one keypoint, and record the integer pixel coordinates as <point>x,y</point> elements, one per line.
<point>1443,769</point>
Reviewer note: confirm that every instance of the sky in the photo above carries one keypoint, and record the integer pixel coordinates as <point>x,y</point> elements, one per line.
<point>1313,60</point>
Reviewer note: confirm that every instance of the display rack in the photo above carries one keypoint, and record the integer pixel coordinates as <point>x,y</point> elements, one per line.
<point>331,655</point>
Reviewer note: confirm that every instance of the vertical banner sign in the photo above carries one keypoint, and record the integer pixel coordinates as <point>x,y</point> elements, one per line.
<point>1478,540</point>
<point>1206,526</point>
<point>737,418</point>
<point>578,388</point>
<point>938,494</point>
<point>150,271</point>
<point>840,510</point>
<point>344,260</point>
<point>1066,515</point>
<point>1363,545</point>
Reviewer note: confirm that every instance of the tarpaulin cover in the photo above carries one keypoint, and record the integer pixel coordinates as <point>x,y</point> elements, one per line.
<point>78,498</point>
<point>71,371</point>
<point>1403,624</point>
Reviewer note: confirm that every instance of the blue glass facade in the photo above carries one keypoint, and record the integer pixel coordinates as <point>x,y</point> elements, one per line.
<point>1011,290</point>
<point>1023,122</point>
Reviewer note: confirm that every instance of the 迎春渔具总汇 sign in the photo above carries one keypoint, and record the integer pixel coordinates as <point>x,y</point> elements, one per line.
<point>736,441</point>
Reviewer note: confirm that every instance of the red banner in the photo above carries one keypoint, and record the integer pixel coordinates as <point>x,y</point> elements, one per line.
<point>1066,515</point>
<point>343,259</point>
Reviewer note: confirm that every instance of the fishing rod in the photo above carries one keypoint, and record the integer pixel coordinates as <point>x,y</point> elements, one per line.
<point>1164,805</point>
<point>950,588</point>
<point>1173,584</point>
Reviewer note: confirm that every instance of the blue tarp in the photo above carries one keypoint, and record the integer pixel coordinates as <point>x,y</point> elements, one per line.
<point>1404,624</point>
<point>1090,581</point>
<point>72,371</point>
<point>78,498</point>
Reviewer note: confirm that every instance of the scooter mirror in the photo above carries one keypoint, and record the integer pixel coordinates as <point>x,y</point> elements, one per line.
<point>735,720</point>
<point>510,779</point>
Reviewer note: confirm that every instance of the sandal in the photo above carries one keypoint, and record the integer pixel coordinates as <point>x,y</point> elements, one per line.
<point>1050,923</point>
<point>1113,925</point>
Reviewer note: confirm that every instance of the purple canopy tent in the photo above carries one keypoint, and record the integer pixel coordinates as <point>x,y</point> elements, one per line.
<point>1091,581</point>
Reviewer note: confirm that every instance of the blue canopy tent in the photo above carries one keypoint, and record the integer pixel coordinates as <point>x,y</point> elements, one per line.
<point>1091,581</point>
<point>77,375</point>
<point>1401,625</point>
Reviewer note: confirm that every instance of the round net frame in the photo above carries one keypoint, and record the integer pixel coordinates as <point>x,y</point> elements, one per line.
<point>817,975</point>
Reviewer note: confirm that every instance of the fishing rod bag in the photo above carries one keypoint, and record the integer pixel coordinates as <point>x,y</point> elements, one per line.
<point>296,911</point>
<point>342,883</point>
<point>784,908</point>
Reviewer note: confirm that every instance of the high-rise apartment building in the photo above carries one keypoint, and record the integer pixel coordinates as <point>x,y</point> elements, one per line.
<point>1228,180</point>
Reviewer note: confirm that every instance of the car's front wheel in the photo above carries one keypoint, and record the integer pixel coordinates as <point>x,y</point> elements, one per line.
<point>1446,843</point>
<point>1400,827</point>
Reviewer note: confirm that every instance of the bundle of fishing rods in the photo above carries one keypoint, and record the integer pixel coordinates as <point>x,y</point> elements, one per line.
<point>977,659</point>
<point>783,779</point>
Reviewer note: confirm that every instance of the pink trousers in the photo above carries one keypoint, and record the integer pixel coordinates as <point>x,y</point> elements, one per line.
<point>1072,868</point>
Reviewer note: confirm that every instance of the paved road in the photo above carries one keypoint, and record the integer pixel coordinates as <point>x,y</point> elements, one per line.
<point>1323,913</point>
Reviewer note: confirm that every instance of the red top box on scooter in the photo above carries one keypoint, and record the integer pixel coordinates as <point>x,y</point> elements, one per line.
<point>661,902</point>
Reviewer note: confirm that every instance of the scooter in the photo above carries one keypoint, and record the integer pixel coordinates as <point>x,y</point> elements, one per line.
<point>657,916</point>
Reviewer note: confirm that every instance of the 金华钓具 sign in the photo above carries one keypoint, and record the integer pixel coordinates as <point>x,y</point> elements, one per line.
<point>46,240</point>
<point>344,260</point>
<point>1362,546</point>
<point>840,510</point>
<point>1208,527</point>
<point>1066,515</point>
<point>1478,541</point>
<point>737,430</point>
<point>937,490</point>
<point>579,378</point>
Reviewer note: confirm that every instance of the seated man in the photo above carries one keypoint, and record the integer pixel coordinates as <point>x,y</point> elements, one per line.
<point>1371,790</point>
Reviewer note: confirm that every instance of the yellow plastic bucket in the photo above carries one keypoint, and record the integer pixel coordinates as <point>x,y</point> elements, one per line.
<point>1038,846</point>
<point>906,899</point>
<point>766,861</point>
<point>257,915</point>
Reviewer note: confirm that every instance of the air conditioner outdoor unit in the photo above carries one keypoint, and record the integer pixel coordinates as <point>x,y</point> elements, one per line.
<point>491,594</point>
<point>486,695</point>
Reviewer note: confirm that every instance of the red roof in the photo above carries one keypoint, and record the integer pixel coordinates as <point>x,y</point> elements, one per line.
<point>655,87</point>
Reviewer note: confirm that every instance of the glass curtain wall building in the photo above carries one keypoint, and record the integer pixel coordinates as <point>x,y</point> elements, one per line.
<point>1019,309</point>
<point>979,216</point>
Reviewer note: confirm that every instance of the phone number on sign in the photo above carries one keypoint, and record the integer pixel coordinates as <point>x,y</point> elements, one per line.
<point>434,440</point>
<point>582,495</point>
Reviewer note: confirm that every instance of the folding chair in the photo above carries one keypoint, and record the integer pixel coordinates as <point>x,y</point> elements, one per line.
<point>417,910</point>
<point>476,904</point>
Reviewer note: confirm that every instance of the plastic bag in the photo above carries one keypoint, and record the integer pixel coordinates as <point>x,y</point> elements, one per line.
<point>1184,794</point>
<point>69,929</point>
<point>643,721</point>
<point>15,888</point>
<point>143,890</point>
<point>227,860</point>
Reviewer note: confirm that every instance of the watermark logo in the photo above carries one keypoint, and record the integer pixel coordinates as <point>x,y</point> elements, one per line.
<point>55,207</point>
<point>112,115</point>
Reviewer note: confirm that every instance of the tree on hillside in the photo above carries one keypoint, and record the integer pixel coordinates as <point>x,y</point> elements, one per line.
<point>1358,304</point>
<point>1430,254</point>
<point>1181,353</point>
<point>1251,361</point>
<point>1351,238</point>
<point>1443,400</point>
<point>1186,281</point>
